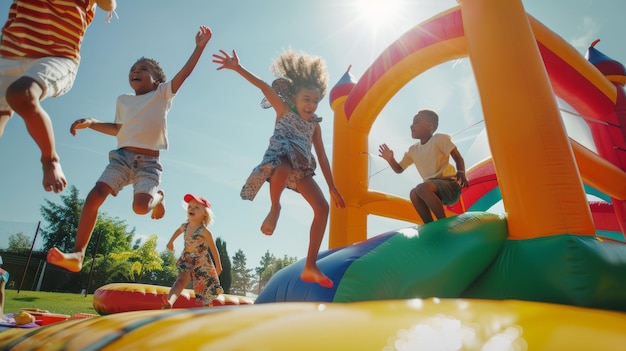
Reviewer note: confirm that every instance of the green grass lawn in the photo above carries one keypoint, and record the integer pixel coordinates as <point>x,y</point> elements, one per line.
<point>62,303</point>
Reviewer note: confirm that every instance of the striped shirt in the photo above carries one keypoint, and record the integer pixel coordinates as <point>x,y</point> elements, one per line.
<point>42,28</point>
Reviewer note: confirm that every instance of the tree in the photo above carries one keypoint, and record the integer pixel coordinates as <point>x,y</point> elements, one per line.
<point>226,276</point>
<point>114,236</point>
<point>142,260</point>
<point>270,265</point>
<point>106,270</point>
<point>63,222</point>
<point>167,275</point>
<point>19,243</point>
<point>264,272</point>
<point>243,278</point>
<point>281,263</point>
<point>109,235</point>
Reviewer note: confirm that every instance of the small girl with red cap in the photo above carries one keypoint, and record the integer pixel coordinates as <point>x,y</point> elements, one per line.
<point>199,262</point>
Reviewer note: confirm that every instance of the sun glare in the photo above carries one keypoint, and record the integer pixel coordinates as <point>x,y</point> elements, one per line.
<point>378,14</point>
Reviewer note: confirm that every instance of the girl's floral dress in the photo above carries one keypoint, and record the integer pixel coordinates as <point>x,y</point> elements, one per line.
<point>196,259</point>
<point>292,139</point>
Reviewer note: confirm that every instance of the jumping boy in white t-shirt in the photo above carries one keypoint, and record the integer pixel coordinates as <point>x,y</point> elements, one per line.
<point>141,130</point>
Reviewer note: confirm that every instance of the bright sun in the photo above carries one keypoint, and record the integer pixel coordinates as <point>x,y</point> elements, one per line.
<point>378,13</point>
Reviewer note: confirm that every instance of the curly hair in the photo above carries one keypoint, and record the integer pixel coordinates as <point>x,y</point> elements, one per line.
<point>302,69</point>
<point>156,68</point>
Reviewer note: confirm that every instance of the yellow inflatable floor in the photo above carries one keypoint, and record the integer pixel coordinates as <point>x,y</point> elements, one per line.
<point>416,324</point>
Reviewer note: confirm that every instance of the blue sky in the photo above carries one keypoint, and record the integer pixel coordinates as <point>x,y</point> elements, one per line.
<point>217,130</point>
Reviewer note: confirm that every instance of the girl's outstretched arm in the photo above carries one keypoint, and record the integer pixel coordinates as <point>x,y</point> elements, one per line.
<point>202,38</point>
<point>318,144</point>
<point>232,62</point>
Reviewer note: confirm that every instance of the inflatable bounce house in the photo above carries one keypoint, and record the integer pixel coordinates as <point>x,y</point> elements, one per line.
<point>547,275</point>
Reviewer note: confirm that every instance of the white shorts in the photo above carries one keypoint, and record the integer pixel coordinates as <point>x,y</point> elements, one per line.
<point>54,74</point>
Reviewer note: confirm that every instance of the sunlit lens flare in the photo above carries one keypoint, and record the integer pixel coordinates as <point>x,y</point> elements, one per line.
<point>378,14</point>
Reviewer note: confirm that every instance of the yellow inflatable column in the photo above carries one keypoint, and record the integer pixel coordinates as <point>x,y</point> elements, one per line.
<point>540,183</point>
<point>348,225</point>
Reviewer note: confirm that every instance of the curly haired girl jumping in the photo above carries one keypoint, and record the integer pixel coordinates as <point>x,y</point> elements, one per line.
<point>301,83</point>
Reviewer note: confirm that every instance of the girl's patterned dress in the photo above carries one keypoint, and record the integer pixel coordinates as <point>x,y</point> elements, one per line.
<point>292,138</point>
<point>196,259</point>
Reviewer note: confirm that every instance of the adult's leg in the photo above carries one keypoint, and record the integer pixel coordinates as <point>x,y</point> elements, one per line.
<point>74,261</point>
<point>23,96</point>
<point>314,196</point>
<point>278,182</point>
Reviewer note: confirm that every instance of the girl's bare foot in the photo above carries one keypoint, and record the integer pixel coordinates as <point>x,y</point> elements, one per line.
<point>314,275</point>
<point>159,210</point>
<point>269,224</point>
<point>53,176</point>
<point>165,302</point>
<point>73,262</point>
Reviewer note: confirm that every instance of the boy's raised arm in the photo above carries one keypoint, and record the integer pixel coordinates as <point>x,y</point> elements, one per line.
<point>202,38</point>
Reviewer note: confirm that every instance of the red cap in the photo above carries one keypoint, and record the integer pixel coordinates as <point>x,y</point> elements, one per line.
<point>198,199</point>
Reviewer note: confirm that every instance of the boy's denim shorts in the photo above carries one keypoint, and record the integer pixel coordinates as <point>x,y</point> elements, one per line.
<point>449,190</point>
<point>126,167</point>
